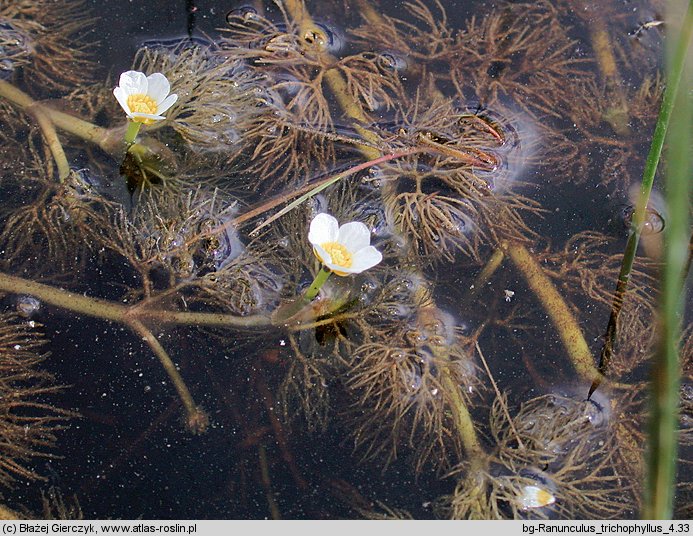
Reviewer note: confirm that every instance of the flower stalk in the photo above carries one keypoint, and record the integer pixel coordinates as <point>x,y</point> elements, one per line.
<point>286,313</point>
<point>317,284</point>
<point>132,131</point>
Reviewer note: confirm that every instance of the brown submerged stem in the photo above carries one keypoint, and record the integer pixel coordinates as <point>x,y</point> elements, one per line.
<point>53,142</point>
<point>480,160</point>
<point>617,114</point>
<point>196,418</point>
<point>132,316</point>
<point>116,312</point>
<point>104,138</point>
<point>337,84</point>
<point>464,425</point>
<point>563,320</point>
<point>429,315</point>
<point>492,265</point>
<point>313,189</point>
<point>267,482</point>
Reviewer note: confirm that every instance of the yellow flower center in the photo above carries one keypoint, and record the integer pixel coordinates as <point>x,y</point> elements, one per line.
<point>339,254</point>
<point>142,104</point>
<point>544,498</point>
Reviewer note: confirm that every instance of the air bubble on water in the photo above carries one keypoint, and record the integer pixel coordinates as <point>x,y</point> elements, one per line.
<point>27,306</point>
<point>391,61</point>
<point>244,13</point>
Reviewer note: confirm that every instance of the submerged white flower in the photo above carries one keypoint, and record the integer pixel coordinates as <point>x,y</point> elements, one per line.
<point>144,98</point>
<point>344,250</point>
<point>535,497</point>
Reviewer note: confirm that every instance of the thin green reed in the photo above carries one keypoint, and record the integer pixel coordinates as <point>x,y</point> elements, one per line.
<point>676,67</point>
<point>664,403</point>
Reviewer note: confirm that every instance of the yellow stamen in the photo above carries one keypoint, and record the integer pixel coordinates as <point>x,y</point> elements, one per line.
<point>536,497</point>
<point>544,498</point>
<point>338,253</point>
<point>143,104</point>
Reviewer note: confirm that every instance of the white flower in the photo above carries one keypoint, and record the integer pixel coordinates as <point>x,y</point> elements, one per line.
<point>535,497</point>
<point>144,98</point>
<point>344,250</point>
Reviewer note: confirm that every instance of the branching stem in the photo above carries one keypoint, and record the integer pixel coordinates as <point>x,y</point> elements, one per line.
<point>116,312</point>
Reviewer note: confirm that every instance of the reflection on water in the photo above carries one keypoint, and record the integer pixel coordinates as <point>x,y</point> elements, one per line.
<point>147,367</point>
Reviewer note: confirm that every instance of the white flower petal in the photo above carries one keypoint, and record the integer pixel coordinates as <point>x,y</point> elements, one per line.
<point>324,228</point>
<point>133,82</point>
<point>364,259</point>
<point>167,103</point>
<point>339,270</point>
<point>536,497</point>
<point>321,254</point>
<point>122,99</point>
<point>155,86</point>
<point>354,236</point>
<point>151,117</point>
<point>158,87</point>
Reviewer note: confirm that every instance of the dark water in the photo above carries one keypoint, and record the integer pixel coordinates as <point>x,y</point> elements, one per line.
<point>129,455</point>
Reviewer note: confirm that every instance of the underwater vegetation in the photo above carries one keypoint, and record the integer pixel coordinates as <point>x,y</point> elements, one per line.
<point>179,303</point>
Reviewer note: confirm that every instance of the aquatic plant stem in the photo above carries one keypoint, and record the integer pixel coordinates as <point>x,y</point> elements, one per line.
<point>197,420</point>
<point>287,311</point>
<point>428,318</point>
<point>104,138</point>
<point>563,320</point>
<point>638,219</point>
<point>317,284</point>
<point>15,95</point>
<point>494,262</point>
<point>132,131</point>
<point>570,332</point>
<point>464,424</point>
<point>107,139</point>
<point>662,449</point>
<point>352,109</point>
<point>116,312</point>
<point>617,113</point>
<point>267,482</point>
<point>337,84</point>
<point>53,142</point>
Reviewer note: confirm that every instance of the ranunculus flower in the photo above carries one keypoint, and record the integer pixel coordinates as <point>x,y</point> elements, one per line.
<point>535,497</point>
<point>144,98</point>
<point>344,250</point>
